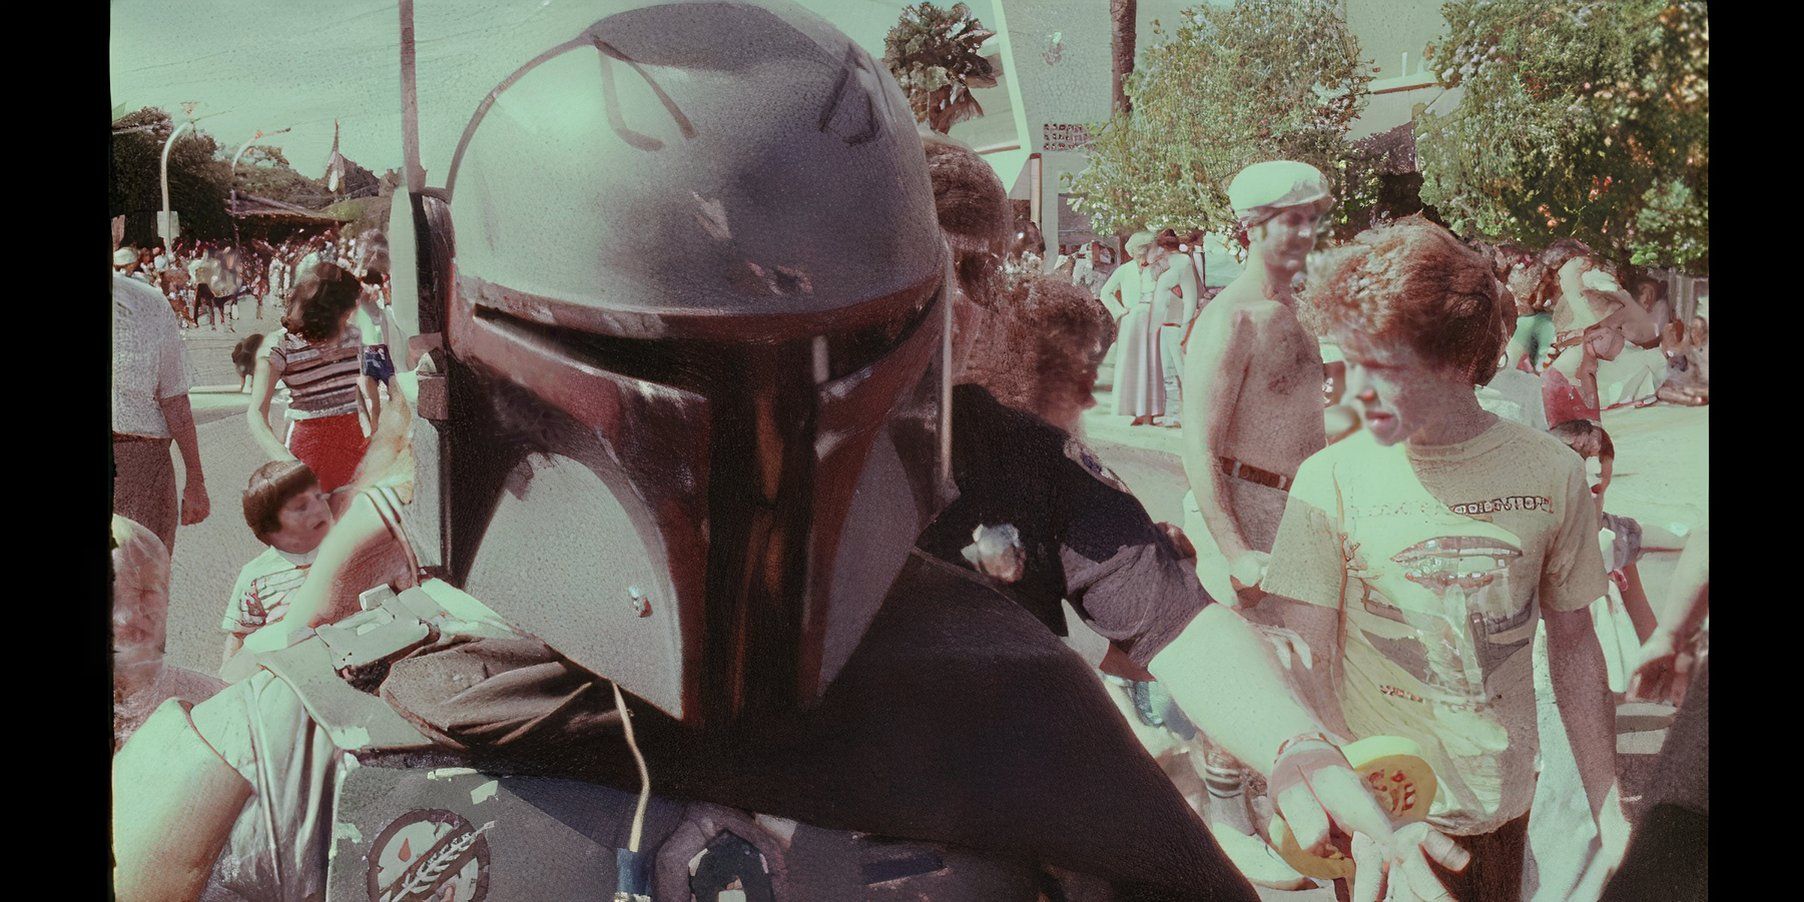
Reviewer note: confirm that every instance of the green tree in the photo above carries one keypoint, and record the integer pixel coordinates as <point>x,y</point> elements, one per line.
<point>1581,118</point>
<point>198,178</point>
<point>264,172</point>
<point>934,53</point>
<point>1257,80</point>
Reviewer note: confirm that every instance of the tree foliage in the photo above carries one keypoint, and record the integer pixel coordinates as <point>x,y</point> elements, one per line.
<point>201,178</point>
<point>1581,118</point>
<point>198,182</point>
<point>934,53</point>
<point>1258,80</point>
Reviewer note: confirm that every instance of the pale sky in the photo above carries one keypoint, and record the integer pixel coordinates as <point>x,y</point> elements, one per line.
<point>260,64</point>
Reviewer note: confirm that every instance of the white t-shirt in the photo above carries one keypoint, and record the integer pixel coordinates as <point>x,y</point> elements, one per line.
<point>150,361</point>
<point>1443,558</point>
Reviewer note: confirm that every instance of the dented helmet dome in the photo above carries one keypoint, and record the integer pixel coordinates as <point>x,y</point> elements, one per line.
<point>692,166</point>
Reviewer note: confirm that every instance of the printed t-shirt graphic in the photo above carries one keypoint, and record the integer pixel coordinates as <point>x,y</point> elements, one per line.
<point>1448,555</point>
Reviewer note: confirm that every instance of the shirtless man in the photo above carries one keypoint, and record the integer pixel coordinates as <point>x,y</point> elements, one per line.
<point>1252,414</point>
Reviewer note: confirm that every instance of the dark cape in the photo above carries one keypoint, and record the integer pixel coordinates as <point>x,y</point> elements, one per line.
<point>960,719</point>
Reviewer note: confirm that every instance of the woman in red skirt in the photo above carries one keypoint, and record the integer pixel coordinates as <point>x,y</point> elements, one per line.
<point>315,354</point>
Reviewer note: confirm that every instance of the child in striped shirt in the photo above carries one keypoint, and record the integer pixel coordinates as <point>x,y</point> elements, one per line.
<point>286,509</point>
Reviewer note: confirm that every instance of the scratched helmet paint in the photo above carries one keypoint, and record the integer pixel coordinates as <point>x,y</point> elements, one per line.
<point>697,267</point>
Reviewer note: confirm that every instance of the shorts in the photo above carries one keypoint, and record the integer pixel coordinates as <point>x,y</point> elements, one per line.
<point>376,363</point>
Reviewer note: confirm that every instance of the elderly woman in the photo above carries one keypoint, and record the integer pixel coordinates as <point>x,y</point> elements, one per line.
<point>1131,294</point>
<point>142,680</point>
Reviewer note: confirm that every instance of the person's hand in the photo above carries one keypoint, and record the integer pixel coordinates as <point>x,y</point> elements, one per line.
<point>1398,870</point>
<point>1244,573</point>
<point>195,505</point>
<point>1653,676</point>
<point>1318,794</point>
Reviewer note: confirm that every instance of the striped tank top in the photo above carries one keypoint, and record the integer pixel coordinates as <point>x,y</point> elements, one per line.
<point>321,378</point>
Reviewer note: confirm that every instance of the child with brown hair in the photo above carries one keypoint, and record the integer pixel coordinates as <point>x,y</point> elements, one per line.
<point>287,511</point>
<point>1417,556</point>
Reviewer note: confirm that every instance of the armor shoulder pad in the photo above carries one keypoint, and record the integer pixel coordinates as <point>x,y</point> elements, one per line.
<point>174,802</point>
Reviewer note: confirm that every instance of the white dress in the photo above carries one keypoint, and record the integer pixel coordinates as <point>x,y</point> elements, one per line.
<point>1140,369</point>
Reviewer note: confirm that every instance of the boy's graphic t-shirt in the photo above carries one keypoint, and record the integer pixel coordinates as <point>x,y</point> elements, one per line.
<point>260,597</point>
<point>1443,557</point>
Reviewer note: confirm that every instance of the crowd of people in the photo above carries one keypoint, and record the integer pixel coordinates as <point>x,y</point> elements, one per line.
<point>1557,295</point>
<point>1510,340</point>
<point>209,279</point>
<point>334,382</point>
<point>1411,575</point>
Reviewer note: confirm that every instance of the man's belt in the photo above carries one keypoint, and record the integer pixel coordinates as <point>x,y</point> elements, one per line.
<point>1255,475</point>
<point>131,437</point>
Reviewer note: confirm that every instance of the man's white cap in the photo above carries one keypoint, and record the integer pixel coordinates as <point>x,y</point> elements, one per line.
<point>1263,188</point>
<point>124,256</point>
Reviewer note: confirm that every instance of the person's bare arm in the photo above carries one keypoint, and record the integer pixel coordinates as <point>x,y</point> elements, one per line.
<point>1222,675</point>
<point>355,557</point>
<point>263,390</point>
<point>1224,678</point>
<point>174,803</point>
<point>372,399</point>
<point>180,417</point>
<point>1575,663</point>
<point>1220,363</point>
<point>1111,292</point>
<point>1690,588</point>
<point>1634,600</point>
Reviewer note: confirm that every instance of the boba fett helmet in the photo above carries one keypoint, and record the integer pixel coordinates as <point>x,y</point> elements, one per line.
<point>685,293</point>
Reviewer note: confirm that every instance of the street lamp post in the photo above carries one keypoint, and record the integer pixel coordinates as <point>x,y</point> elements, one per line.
<point>235,158</point>
<point>166,225</point>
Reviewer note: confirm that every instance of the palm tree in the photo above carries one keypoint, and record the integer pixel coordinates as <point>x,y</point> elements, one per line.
<point>1122,17</point>
<point>934,53</point>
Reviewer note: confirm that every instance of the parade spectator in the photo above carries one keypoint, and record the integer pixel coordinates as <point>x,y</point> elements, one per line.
<point>1513,394</point>
<point>287,511</point>
<point>1040,516</point>
<point>1686,382</point>
<point>1593,320</point>
<point>1417,555</point>
<point>1254,414</point>
<point>1569,858</point>
<point>1041,352</point>
<point>368,542</point>
<point>1531,343</point>
<point>1131,295</point>
<point>1669,856</point>
<point>142,679</point>
<point>1624,537</point>
<point>1680,638</point>
<point>375,366</point>
<point>315,354</point>
<point>150,408</point>
<point>125,263</point>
